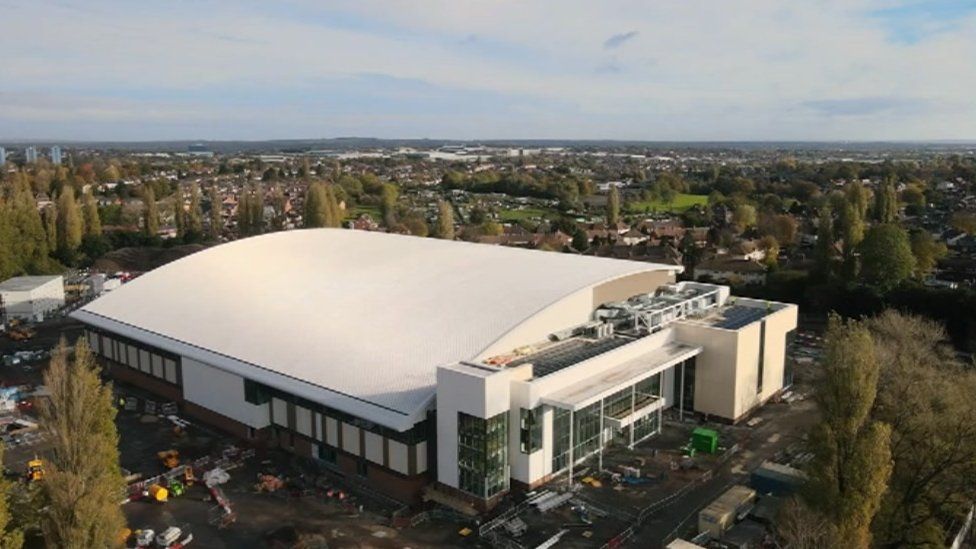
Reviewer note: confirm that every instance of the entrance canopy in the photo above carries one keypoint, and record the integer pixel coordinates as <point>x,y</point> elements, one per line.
<point>591,389</point>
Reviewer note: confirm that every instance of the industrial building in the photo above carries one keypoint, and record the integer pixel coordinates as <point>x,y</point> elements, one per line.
<point>30,297</point>
<point>415,362</point>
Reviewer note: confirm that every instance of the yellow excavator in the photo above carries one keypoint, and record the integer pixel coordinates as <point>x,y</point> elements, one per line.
<point>35,470</point>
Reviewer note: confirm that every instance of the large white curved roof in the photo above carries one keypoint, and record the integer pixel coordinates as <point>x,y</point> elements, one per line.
<point>357,320</point>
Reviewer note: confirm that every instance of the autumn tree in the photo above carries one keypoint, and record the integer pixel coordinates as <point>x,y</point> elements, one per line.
<point>743,217</point>
<point>10,536</point>
<point>83,481</point>
<point>216,220</point>
<point>927,252</point>
<point>321,208</point>
<point>886,256</point>
<point>445,220</point>
<point>824,253</point>
<point>89,210</point>
<point>194,216</point>
<point>851,233</point>
<point>886,202</point>
<point>70,224</point>
<point>613,206</point>
<point>926,395</point>
<point>150,211</point>
<point>388,200</point>
<point>852,454</point>
<point>179,213</point>
<point>49,216</point>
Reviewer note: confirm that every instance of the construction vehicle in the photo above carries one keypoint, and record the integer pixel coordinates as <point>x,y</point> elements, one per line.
<point>169,458</point>
<point>176,488</point>
<point>158,493</point>
<point>144,537</point>
<point>21,333</point>
<point>35,470</point>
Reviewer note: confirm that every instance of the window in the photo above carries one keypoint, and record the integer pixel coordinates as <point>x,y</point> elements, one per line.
<point>483,454</point>
<point>255,393</point>
<point>328,454</point>
<point>530,430</point>
<point>685,394</point>
<point>560,439</point>
<point>787,361</point>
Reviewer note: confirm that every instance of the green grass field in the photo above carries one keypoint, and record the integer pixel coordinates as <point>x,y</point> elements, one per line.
<point>519,215</point>
<point>681,203</point>
<point>373,211</point>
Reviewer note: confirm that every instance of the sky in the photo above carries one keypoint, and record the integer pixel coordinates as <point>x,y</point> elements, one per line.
<point>502,69</point>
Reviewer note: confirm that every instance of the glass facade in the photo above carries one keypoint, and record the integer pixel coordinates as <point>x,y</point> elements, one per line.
<point>560,439</point>
<point>687,390</point>
<point>482,454</point>
<point>530,430</point>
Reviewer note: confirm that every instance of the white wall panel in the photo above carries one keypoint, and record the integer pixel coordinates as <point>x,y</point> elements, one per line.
<point>350,439</point>
<point>374,447</point>
<point>221,392</point>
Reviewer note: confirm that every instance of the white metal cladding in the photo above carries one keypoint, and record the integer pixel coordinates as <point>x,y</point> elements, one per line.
<point>356,320</point>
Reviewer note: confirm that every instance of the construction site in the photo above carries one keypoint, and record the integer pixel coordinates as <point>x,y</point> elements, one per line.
<point>191,484</point>
<point>610,407</point>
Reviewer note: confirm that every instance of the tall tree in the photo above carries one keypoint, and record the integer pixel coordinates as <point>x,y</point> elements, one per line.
<point>179,213</point>
<point>613,206</point>
<point>332,207</point>
<point>194,218</point>
<point>886,202</point>
<point>925,394</point>
<point>445,220</point>
<point>150,211</point>
<point>851,233</point>
<point>10,537</point>
<point>216,208</point>
<point>83,479</point>
<point>28,242</point>
<point>886,256</point>
<point>388,200</point>
<point>857,196</point>
<point>89,210</point>
<point>71,224</point>
<point>927,252</point>
<point>49,215</point>
<point>278,202</point>
<point>317,211</point>
<point>824,253</point>
<point>852,454</point>
<point>743,217</point>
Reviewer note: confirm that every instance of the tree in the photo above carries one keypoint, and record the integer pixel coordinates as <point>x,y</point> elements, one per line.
<point>964,221</point>
<point>782,227</point>
<point>216,220</point>
<point>800,527</point>
<point>445,220</point>
<point>179,214</point>
<point>925,394</point>
<point>743,217</point>
<point>388,200</point>
<point>83,479</point>
<point>851,233</point>
<point>857,196</point>
<point>194,218</point>
<point>49,215</point>
<point>317,212</point>
<point>886,257</point>
<point>886,202</point>
<point>852,453</point>
<point>415,224</point>
<point>10,537</point>
<point>927,252</point>
<point>70,223</point>
<point>613,206</point>
<point>278,205</point>
<point>150,211</point>
<point>769,245</point>
<point>93,222</point>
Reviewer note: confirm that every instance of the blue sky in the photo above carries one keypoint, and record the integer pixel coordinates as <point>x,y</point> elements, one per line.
<point>657,70</point>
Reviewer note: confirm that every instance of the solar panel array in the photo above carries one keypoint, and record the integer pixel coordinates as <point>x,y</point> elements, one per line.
<point>737,316</point>
<point>566,354</point>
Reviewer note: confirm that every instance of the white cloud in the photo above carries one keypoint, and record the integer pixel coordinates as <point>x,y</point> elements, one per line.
<point>759,69</point>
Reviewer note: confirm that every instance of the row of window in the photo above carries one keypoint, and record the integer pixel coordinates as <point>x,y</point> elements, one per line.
<point>482,454</point>
<point>146,359</point>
